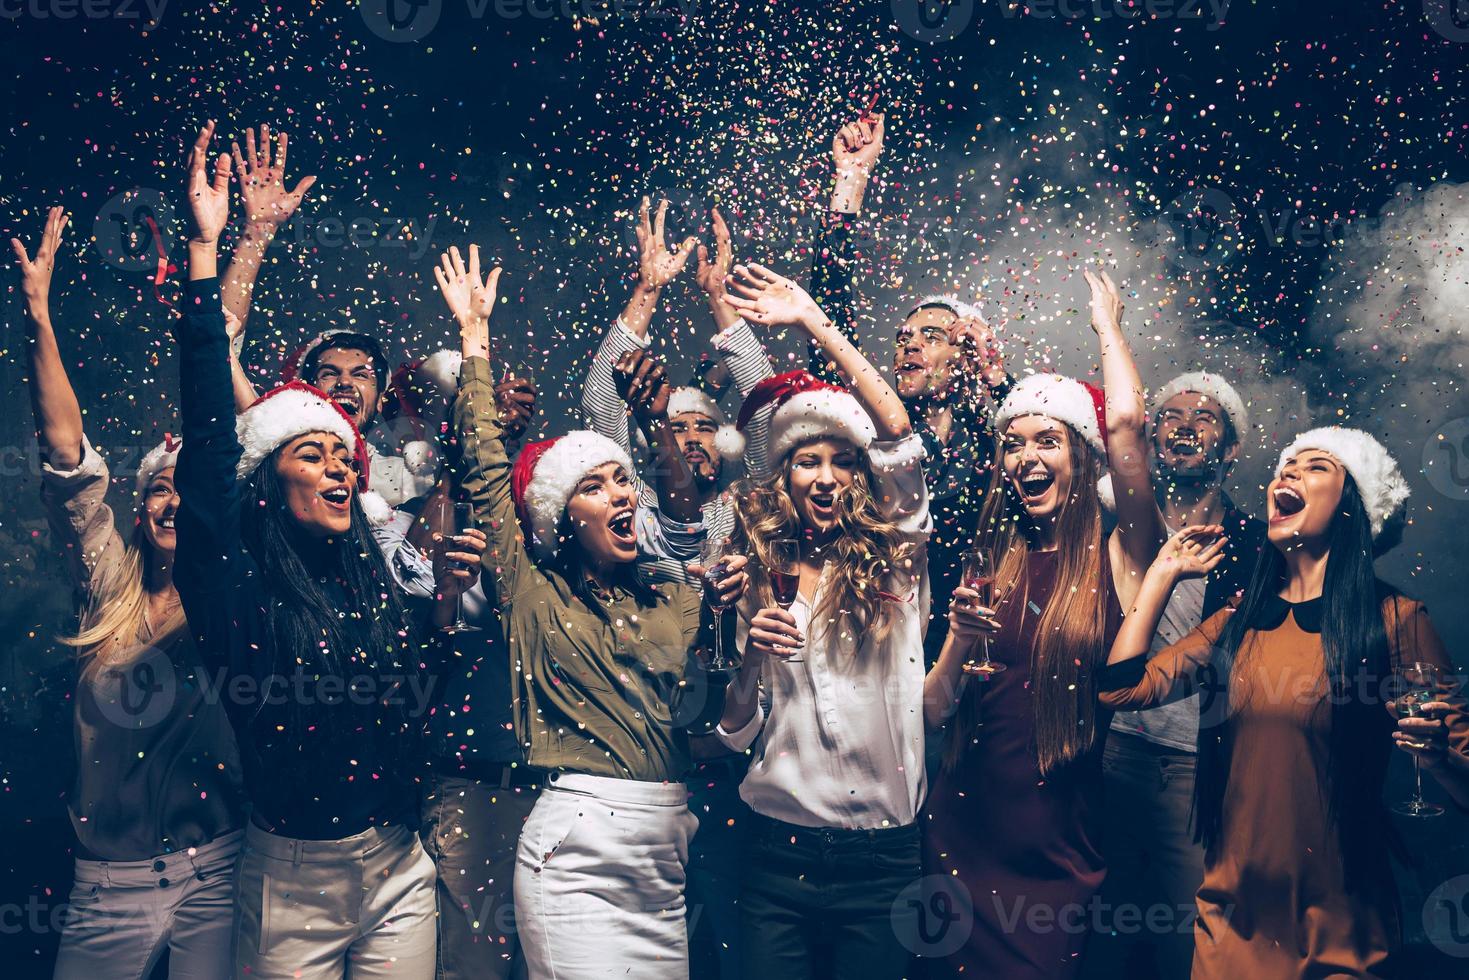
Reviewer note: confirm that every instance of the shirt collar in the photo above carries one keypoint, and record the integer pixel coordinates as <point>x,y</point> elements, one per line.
<point>1308,614</point>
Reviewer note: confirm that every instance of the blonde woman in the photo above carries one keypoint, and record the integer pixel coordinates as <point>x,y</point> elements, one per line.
<point>157,801</point>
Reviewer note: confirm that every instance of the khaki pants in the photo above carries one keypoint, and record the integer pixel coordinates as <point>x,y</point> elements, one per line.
<point>123,915</point>
<point>323,910</point>
<point>470,829</point>
<point>599,880</point>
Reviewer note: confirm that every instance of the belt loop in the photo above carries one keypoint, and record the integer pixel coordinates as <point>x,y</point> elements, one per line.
<point>505,774</point>
<point>296,847</point>
<point>104,875</point>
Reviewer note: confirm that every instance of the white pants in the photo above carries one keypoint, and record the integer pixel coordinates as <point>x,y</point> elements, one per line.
<point>599,880</point>
<point>123,914</point>
<point>362,907</point>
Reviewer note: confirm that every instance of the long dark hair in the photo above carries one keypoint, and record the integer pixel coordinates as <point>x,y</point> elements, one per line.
<point>570,562</point>
<point>363,635</point>
<point>1354,642</point>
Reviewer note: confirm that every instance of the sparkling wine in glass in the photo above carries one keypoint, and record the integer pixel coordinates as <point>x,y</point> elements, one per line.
<point>463,521</point>
<point>977,575</point>
<point>785,575</point>
<point>714,558</point>
<point>1419,683</point>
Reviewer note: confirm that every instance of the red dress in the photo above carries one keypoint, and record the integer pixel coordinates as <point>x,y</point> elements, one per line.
<point>1020,851</point>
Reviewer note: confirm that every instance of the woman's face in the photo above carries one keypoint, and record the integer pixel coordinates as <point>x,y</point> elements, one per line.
<point>1036,456</point>
<point>602,509</point>
<point>1302,501</point>
<point>818,470</point>
<point>160,504</point>
<point>319,479</point>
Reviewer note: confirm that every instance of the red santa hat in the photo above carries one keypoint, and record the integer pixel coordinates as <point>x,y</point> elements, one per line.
<point>1379,481</point>
<point>159,458</point>
<point>545,476</point>
<point>294,409</point>
<point>695,401</point>
<point>950,302</point>
<point>1079,405</point>
<point>1213,386</point>
<point>806,408</point>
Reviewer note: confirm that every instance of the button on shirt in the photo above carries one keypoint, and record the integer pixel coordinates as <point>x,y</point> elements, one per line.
<point>842,745</point>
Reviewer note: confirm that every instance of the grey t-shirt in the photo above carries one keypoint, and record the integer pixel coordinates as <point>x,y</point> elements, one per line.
<point>1174,725</point>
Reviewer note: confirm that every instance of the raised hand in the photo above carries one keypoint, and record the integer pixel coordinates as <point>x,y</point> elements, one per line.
<point>973,336</point>
<point>657,266</point>
<point>515,398</point>
<point>759,295</point>
<point>1193,552</point>
<point>1106,301</point>
<point>35,274</point>
<point>642,383</point>
<point>209,201</point>
<point>262,180</point>
<point>470,299</point>
<point>858,144</point>
<point>711,274</point>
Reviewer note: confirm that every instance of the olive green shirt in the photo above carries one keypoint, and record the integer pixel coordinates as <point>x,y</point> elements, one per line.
<point>606,697</point>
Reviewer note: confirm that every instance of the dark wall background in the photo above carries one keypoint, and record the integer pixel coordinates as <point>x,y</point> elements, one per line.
<point>1281,189</point>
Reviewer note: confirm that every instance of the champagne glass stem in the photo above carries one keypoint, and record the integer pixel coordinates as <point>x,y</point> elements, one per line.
<point>1418,781</point>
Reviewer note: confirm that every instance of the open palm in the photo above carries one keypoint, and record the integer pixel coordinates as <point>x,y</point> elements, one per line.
<point>262,179</point>
<point>769,299</point>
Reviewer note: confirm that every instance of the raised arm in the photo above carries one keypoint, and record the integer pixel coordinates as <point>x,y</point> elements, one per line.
<point>642,384</point>
<point>1140,528</point>
<point>268,205</point>
<point>657,267</point>
<point>54,403</point>
<point>773,300</point>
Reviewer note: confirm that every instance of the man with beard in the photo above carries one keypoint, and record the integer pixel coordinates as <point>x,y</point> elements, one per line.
<point>944,362</point>
<point>672,518</point>
<point>1153,862</point>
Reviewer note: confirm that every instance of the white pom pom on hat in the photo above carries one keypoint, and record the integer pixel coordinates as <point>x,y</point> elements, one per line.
<point>694,401</point>
<point>806,408</point>
<point>1379,481</point>
<point>546,474</point>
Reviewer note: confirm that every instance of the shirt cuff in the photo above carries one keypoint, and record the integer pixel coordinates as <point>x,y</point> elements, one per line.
<point>201,289</point>
<point>1123,675</point>
<point>641,342</point>
<point>476,369</point>
<point>889,456</point>
<point>744,737</point>
<point>726,338</point>
<point>90,465</point>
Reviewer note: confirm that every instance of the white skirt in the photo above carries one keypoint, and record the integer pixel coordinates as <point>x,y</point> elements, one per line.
<point>599,879</point>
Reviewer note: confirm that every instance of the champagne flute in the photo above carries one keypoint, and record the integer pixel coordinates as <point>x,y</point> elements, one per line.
<point>1419,684</point>
<point>784,573</point>
<point>463,521</point>
<point>713,558</point>
<point>976,575</point>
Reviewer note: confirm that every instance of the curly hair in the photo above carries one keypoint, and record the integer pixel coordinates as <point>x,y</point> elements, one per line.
<point>868,551</point>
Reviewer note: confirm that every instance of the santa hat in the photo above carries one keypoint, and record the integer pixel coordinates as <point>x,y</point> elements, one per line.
<point>1213,386</point>
<point>806,408</point>
<point>1079,405</point>
<point>294,409</point>
<point>1383,489</point>
<point>951,303</point>
<point>296,360</point>
<point>410,390</point>
<point>695,401</point>
<point>161,457</point>
<point>545,476</point>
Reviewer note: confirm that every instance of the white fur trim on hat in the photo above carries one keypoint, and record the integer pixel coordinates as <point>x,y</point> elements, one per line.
<point>556,475</point>
<point>728,441</point>
<point>1215,387</point>
<point>950,302</point>
<point>441,368</point>
<point>160,457</point>
<point>375,507</point>
<point>279,417</point>
<point>1379,481</point>
<point>1056,397</point>
<point>420,457</point>
<point>817,414</point>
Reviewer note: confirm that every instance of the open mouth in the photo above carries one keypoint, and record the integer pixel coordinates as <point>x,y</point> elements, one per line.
<point>1185,444</point>
<point>621,527</point>
<point>1034,485</point>
<point>339,498</point>
<point>1288,502</point>
<point>908,369</point>
<point>349,401</point>
<point>824,505</point>
<point>166,524</point>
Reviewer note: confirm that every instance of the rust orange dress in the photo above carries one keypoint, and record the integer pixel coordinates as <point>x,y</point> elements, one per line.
<point>1274,902</point>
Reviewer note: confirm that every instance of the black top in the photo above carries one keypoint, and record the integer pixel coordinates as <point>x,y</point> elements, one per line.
<point>957,472</point>
<point>225,598</point>
<point>1247,535</point>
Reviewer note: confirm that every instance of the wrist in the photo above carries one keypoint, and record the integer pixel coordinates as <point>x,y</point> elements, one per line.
<point>260,230</point>
<point>851,187</point>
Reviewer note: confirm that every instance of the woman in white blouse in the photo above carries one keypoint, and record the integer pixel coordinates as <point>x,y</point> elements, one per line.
<point>837,775</point>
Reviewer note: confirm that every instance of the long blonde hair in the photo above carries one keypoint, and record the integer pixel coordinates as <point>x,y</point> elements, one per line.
<point>114,624</point>
<point>1068,645</point>
<point>868,551</point>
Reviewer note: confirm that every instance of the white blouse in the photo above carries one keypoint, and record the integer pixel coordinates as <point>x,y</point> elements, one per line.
<point>842,744</point>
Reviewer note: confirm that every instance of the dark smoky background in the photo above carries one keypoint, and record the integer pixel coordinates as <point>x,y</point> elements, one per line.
<point>1280,188</point>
